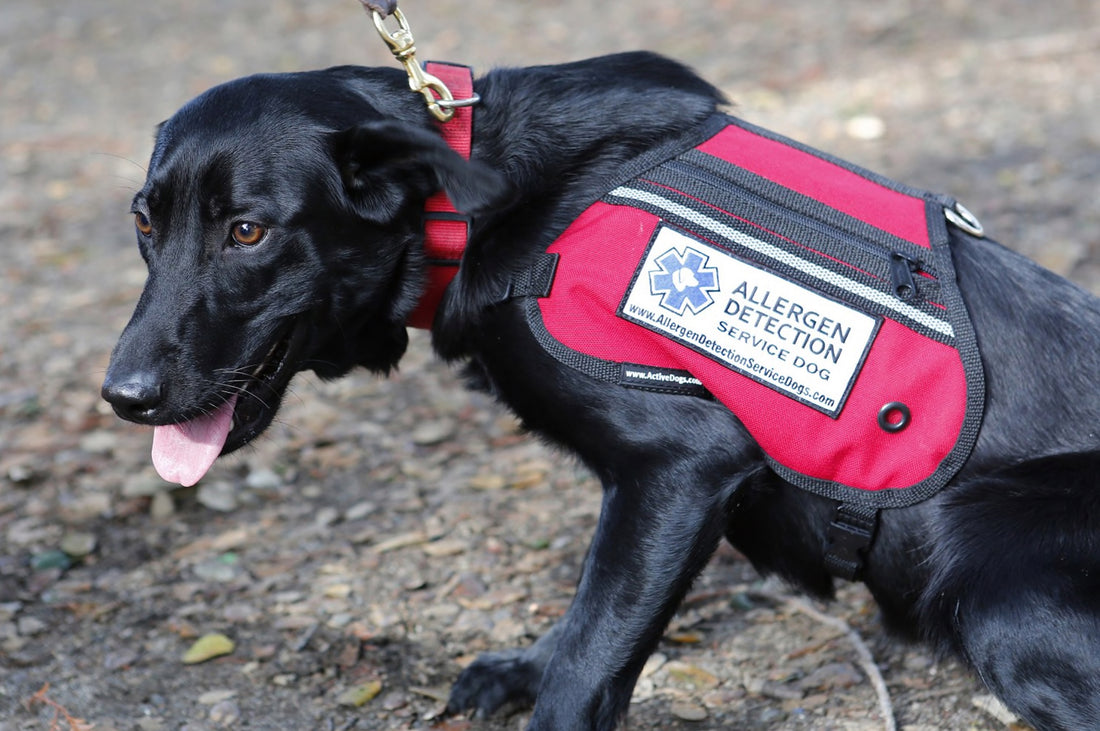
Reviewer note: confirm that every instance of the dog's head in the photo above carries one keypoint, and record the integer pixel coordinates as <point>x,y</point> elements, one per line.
<point>281,225</point>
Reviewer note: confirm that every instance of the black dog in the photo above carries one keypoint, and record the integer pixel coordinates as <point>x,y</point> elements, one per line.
<point>282,227</point>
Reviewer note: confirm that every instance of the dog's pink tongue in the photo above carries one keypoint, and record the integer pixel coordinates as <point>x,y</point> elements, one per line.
<point>184,452</point>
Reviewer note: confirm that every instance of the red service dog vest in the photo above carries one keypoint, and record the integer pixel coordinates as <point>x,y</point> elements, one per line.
<point>816,300</point>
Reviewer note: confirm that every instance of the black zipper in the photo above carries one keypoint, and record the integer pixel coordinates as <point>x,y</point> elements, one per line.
<point>900,267</point>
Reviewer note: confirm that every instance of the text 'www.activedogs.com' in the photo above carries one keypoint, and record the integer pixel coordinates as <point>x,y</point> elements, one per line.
<point>782,334</point>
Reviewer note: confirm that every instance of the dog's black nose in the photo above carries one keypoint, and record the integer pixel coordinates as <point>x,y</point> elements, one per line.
<point>135,396</point>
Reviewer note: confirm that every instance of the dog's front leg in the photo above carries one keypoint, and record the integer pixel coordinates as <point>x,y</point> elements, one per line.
<point>650,544</point>
<point>506,677</point>
<point>651,541</point>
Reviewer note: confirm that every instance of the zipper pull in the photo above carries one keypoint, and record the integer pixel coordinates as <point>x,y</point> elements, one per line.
<point>901,274</point>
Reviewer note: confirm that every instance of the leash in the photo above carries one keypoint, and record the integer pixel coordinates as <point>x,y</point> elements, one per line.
<point>445,229</point>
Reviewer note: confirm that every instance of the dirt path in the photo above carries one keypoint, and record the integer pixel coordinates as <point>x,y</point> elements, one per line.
<point>385,531</point>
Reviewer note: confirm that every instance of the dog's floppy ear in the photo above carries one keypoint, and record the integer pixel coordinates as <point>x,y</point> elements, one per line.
<point>386,166</point>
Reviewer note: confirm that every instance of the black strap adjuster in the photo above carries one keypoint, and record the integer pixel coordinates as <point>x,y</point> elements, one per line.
<point>849,538</point>
<point>535,281</point>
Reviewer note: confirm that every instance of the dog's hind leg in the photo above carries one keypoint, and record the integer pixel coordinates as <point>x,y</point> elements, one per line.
<point>1015,588</point>
<point>1039,651</point>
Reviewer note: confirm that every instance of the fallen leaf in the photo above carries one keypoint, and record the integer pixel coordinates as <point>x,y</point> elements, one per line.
<point>208,647</point>
<point>358,695</point>
<point>691,674</point>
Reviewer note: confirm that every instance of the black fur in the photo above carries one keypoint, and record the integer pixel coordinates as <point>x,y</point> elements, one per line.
<point>1000,568</point>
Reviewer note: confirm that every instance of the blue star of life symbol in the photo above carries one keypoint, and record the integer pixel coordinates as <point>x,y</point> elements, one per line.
<point>685,281</point>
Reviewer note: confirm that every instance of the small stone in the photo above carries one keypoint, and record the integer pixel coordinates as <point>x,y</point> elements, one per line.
<point>403,540</point>
<point>771,688</point>
<point>208,647</point>
<point>326,517</point>
<point>53,559</point>
<point>723,697</point>
<point>488,482</point>
<point>143,485</point>
<point>212,697</point>
<point>219,496</point>
<point>162,506</point>
<point>771,715</point>
<point>358,695</point>
<point>687,711</point>
<point>865,127</point>
<point>507,630</point>
<point>99,442</point>
<point>337,591</point>
<point>445,547</point>
<point>993,706</point>
<point>87,506</point>
<point>78,544</point>
<point>653,664</point>
<point>295,622</point>
<point>217,570</point>
<point>29,531</point>
<point>530,474</point>
<point>241,613</point>
<point>119,659</point>
<point>21,474</point>
<point>349,653</point>
<point>339,620</point>
<point>28,657</point>
<point>30,626</point>
<point>263,479</point>
<point>831,677</point>
<point>644,690</point>
<point>393,701</point>
<point>433,432</point>
<point>40,581</point>
<point>360,511</point>
<point>225,713</point>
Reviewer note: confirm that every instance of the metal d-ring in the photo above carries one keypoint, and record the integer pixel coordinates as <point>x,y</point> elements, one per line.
<point>456,103</point>
<point>964,220</point>
<point>887,414</point>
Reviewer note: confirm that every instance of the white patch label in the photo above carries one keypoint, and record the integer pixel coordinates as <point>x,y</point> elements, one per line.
<point>784,335</point>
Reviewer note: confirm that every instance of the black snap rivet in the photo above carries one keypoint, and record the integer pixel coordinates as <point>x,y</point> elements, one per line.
<point>894,416</point>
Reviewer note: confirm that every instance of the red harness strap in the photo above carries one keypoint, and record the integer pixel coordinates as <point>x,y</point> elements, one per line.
<point>445,229</point>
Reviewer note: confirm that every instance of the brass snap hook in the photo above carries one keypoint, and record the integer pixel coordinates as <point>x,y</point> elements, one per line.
<point>441,102</point>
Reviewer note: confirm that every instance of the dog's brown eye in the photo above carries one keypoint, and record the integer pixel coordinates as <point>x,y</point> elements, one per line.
<point>144,227</point>
<point>246,233</point>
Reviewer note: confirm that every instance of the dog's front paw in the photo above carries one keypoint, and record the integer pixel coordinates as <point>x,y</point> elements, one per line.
<point>495,680</point>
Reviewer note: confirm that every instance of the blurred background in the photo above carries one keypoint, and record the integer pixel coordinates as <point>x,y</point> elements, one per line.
<point>383,532</point>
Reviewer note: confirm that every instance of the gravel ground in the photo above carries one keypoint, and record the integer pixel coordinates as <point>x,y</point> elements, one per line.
<point>384,532</point>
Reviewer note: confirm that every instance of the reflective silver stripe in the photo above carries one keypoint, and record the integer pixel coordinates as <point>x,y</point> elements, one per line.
<point>785,257</point>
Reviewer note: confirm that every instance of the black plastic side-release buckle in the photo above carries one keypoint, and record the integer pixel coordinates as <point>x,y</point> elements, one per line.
<point>850,537</point>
